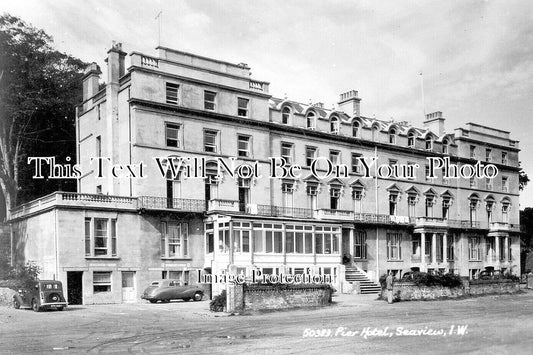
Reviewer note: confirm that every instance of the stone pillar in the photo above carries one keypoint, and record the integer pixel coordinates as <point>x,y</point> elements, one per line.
<point>351,244</point>
<point>497,247</point>
<point>423,266</point>
<point>445,248</point>
<point>434,248</point>
<point>231,249</point>
<point>506,246</point>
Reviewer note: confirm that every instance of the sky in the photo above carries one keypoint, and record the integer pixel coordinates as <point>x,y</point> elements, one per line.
<point>476,56</point>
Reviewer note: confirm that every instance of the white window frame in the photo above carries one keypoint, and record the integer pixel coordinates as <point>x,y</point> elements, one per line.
<point>108,248</point>
<point>211,147</point>
<point>241,152</point>
<point>181,243</point>
<point>172,93</point>
<point>170,127</point>
<point>243,111</point>
<point>210,105</point>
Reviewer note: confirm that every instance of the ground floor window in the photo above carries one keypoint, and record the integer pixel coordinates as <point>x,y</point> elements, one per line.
<point>396,273</point>
<point>394,246</point>
<point>101,281</point>
<point>473,273</point>
<point>474,252</point>
<point>174,240</point>
<point>359,248</point>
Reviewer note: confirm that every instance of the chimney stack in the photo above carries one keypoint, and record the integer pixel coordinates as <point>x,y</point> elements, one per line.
<point>115,62</point>
<point>350,103</point>
<point>91,76</point>
<point>435,122</point>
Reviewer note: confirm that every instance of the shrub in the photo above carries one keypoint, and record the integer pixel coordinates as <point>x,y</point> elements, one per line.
<point>218,303</point>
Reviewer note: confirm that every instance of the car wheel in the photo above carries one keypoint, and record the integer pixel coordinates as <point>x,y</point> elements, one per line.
<point>35,306</point>
<point>197,296</point>
<point>16,304</point>
<point>165,301</point>
<point>153,301</point>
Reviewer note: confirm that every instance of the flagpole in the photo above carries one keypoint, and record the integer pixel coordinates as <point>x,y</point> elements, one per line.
<point>159,17</point>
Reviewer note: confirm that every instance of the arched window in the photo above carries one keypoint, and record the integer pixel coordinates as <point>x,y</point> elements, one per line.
<point>445,147</point>
<point>392,136</point>
<point>474,203</point>
<point>429,143</point>
<point>356,126</point>
<point>334,125</point>
<point>311,120</point>
<point>411,139</point>
<point>285,115</point>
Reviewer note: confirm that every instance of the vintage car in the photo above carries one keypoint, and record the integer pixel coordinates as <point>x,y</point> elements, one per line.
<point>39,295</point>
<point>167,290</point>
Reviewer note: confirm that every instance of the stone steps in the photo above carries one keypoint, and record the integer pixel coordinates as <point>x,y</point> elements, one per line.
<point>353,274</point>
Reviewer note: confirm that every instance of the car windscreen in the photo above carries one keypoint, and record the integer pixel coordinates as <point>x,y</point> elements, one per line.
<point>50,286</point>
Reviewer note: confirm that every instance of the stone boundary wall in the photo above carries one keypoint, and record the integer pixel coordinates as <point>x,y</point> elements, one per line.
<point>250,298</point>
<point>409,291</point>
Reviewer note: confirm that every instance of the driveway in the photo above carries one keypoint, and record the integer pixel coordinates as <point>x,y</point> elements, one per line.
<point>353,324</point>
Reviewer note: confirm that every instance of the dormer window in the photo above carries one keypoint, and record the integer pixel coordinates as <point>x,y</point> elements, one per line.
<point>375,132</point>
<point>429,143</point>
<point>311,120</point>
<point>411,139</point>
<point>392,136</point>
<point>445,146</point>
<point>285,115</point>
<point>356,126</point>
<point>334,125</point>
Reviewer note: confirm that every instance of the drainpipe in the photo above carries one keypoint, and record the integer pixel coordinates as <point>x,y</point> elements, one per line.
<point>377,211</point>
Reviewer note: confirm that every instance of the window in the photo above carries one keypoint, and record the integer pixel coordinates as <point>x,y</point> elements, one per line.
<point>393,162</point>
<point>375,133</point>
<point>172,93</point>
<point>427,172</point>
<point>99,146</point>
<point>488,154</point>
<point>172,135</point>
<point>334,194</point>
<point>310,155</point>
<point>488,182</point>
<point>356,163</point>
<point>210,141</point>
<point>450,247</point>
<point>359,247</point>
<point>474,248</point>
<point>285,115</point>
<point>210,100</point>
<point>505,211</point>
<point>429,143</point>
<point>446,202</point>
<point>99,111</point>
<point>504,158</point>
<point>411,139</point>
<point>174,240</point>
<point>243,146</point>
<point>392,136</point>
<point>241,241</point>
<point>474,201</point>
<point>100,237</point>
<point>411,204</point>
<point>335,157</point>
<point>393,201</point>
<point>312,190</point>
<point>101,281</point>
<point>98,189</point>
<point>489,207</point>
<point>430,200</point>
<point>505,184</point>
<point>334,125</point>
<point>357,195</point>
<point>311,120</point>
<point>286,152</point>
<point>394,247</point>
<point>445,146</point>
<point>356,127</point>
<point>445,180</point>
<point>287,190</point>
<point>473,182</point>
<point>472,152</point>
<point>242,107</point>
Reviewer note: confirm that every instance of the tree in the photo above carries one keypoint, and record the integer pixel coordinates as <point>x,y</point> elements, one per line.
<point>523,179</point>
<point>39,88</point>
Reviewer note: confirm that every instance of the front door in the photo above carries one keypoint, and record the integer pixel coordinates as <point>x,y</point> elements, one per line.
<point>128,286</point>
<point>74,287</point>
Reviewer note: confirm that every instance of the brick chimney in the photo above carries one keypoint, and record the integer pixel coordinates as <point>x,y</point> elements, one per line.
<point>350,103</point>
<point>435,123</point>
<point>90,80</point>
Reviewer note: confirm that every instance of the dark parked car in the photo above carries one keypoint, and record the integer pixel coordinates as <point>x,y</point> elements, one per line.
<point>167,290</point>
<point>490,275</point>
<point>41,294</point>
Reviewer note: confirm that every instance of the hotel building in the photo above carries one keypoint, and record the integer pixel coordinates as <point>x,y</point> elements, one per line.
<point>116,234</point>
